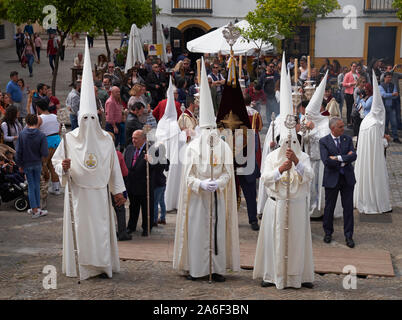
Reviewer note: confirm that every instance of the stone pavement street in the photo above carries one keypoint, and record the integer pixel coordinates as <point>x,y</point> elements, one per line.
<point>27,245</point>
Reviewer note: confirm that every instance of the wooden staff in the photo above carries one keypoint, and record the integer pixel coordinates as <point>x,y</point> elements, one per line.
<point>296,72</point>
<point>64,132</point>
<point>308,68</point>
<point>211,162</point>
<point>146,129</point>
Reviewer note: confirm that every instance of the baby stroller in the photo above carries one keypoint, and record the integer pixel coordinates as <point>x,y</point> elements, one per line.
<point>17,193</point>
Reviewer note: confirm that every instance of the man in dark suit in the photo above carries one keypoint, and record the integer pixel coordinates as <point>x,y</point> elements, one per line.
<point>156,84</point>
<point>135,158</point>
<point>337,153</point>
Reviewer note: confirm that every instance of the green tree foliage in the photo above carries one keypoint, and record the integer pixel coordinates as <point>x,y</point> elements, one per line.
<point>136,11</point>
<point>397,4</point>
<point>3,10</point>
<point>273,20</point>
<point>94,16</point>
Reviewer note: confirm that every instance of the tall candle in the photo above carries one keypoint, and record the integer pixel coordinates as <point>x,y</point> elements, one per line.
<point>240,66</point>
<point>308,68</point>
<point>199,71</point>
<point>296,71</point>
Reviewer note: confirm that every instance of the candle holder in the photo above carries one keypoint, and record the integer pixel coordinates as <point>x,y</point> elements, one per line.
<point>309,89</point>
<point>296,98</point>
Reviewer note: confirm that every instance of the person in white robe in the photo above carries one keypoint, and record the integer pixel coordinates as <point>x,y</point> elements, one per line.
<point>311,140</point>
<point>197,190</point>
<point>270,263</point>
<point>270,143</point>
<point>168,133</point>
<point>89,169</point>
<point>371,195</point>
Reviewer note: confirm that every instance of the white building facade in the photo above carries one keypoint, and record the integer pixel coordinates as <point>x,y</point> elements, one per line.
<point>361,29</point>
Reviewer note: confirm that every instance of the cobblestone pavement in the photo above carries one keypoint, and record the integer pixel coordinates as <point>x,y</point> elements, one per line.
<point>27,245</point>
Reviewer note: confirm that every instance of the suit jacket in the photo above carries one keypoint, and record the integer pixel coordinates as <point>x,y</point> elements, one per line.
<point>332,167</point>
<point>157,94</point>
<point>136,181</point>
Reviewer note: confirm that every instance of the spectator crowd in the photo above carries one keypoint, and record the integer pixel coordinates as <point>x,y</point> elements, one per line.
<point>130,102</point>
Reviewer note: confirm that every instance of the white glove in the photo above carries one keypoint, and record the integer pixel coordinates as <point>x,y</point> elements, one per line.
<point>204,184</point>
<point>209,185</point>
<point>212,185</point>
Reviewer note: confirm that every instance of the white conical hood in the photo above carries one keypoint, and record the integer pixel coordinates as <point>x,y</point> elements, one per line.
<point>321,123</point>
<point>87,97</point>
<point>285,102</point>
<point>89,146</point>
<point>207,115</point>
<point>315,103</point>
<point>377,111</point>
<point>170,112</point>
<point>168,126</point>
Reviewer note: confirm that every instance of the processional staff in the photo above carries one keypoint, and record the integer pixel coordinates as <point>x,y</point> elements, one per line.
<point>70,201</point>
<point>290,123</point>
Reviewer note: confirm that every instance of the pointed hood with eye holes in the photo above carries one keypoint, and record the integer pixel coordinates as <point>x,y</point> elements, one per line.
<point>89,147</point>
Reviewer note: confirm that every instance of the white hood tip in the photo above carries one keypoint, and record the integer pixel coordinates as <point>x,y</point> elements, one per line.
<point>87,97</point>
<point>207,117</point>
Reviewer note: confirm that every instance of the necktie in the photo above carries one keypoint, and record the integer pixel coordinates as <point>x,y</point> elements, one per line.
<point>338,144</point>
<point>137,153</point>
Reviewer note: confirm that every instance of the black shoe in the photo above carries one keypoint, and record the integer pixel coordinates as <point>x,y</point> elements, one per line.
<point>130,231</point>
<point>191,278</point>
<point>155,224</point>
<point>218,278</point>
<point>125,236</point>
<point>328,238</point>
<point>255,226</point>
<point>266,284</point>
<point>259,216</point>
<point>397,140</point>
<point>103,276</point>
<point>144,234</point>
<point>350,243</point>
<point>307,285</point>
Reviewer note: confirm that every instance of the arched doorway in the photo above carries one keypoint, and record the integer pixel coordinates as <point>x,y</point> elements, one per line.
<point>187,31</point>
<point>191,34</point>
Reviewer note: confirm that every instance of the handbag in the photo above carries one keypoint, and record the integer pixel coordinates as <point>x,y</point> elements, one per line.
<point>24,59</point>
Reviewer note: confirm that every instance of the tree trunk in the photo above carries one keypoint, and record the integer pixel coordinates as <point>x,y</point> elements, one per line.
<point>107,45</point>
<point>56,64</point>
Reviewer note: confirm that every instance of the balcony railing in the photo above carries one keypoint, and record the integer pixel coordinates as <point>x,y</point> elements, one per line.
<point>193,6</point>
<point>378,6</point>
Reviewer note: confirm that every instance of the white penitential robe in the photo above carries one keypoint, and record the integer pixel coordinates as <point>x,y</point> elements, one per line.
<point>192,239</point>
<point>94,175</point>
<point>174,148</point>
<point>371,194</point>
<point>270,252</point>
<point>273,130</point>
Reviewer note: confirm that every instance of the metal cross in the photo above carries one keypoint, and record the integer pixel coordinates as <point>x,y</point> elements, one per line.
<point>231,34</point>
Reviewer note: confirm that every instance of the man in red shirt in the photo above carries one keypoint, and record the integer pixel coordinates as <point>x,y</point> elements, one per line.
<point>159,110</point>
<point>114,114</point>
<point>52,47</point>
